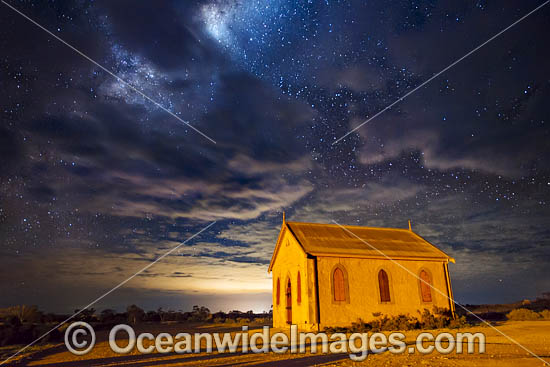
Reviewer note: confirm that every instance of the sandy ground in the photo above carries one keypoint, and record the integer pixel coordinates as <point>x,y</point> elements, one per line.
<point>501,352</point>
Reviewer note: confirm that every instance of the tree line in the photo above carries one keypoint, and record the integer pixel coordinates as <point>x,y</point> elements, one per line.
<point>24,323</point>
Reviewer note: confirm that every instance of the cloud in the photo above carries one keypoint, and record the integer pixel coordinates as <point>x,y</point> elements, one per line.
<point>428,142</point>
<point>97,271</point>
<point>168,36</point>
<point>345,203</point>
<point>259,236</point>
<point>244,197</point>
<point>450,138</point>
<point>107,152</point>
<point>483,114</point>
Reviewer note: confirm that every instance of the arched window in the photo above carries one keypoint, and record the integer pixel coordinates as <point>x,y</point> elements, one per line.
<point>339,285</point>
<point>289,302</point>
<point>425,289</point>
<point>299,288</point>
<point>384,286</point>
<point>278,291</point>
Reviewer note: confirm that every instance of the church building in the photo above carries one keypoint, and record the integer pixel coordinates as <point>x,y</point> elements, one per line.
<point>327,275</point>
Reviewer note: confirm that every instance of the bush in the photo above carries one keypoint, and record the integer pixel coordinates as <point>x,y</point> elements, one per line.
<point>218,320</point>
<point>24,334</point>
<point>400,322</point>
<point>263,320</point>
<point>459,322</point>
<point>439,319</point>
<point>242,321</point>
<point>545,314</point>
<point>522,314</point>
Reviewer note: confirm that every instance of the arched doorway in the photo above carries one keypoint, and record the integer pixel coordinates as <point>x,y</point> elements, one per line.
<point>288,302</point>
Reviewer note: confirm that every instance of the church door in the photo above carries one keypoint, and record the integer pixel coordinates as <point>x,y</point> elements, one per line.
<point>288,303</point>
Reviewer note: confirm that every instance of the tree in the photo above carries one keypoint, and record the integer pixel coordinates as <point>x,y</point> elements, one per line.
<point>107,315</point>
<point>86,315</point>
<point>200,313</point>
<point>152,316</point>
<point>135,314</point>
<point>24,313</point>
<point>162,314</point>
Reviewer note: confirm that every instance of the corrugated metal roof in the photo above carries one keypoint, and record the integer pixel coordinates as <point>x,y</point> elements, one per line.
<point>332,240</point>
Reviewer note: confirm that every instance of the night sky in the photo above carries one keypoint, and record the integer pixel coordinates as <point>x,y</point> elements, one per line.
<point>97,181</point>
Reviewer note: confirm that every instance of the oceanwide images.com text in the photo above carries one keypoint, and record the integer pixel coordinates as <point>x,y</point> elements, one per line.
<point>80,339</point>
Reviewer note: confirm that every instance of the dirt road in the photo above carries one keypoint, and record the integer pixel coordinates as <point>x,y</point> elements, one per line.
<point>500,351</point>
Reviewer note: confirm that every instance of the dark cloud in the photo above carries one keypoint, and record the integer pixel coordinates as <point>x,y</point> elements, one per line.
<point>485,113</point>
<point>168,36</point>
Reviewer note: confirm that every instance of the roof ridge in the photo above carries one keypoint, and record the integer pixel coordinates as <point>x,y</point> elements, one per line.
<point>351,225</point>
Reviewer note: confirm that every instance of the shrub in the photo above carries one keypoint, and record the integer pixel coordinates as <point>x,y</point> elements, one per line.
<point>459,322</point>
<point>437,320</point>
<point>336,329</point>
<point>23,334</point>
<point>545,314</point>
<point>522,314</point>
<point>400,322</point>
<point>440,319</point>
<point>263,320</point>
<point>242,321</point>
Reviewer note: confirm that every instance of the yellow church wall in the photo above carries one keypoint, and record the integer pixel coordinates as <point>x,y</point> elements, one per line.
<point>290,260</point>
<point>363,298</point>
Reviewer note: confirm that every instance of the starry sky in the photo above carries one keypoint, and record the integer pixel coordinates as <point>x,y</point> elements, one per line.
<point>96,181</point>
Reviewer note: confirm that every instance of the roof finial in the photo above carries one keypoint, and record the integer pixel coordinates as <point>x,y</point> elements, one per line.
<point>283,217</point>
<point>410,228</point>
